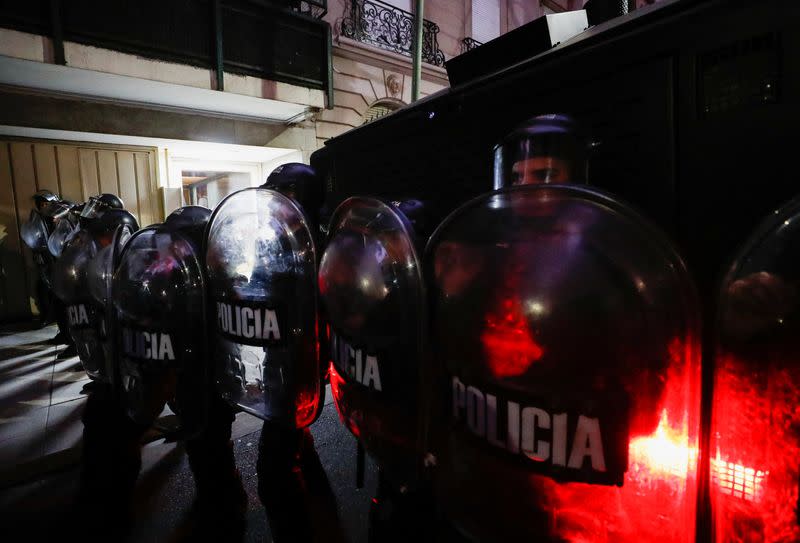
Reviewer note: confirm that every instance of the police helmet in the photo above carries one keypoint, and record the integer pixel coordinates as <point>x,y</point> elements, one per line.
<point>299,182</point>
<point>544,150</point>
<point>108,222</point>
<point>97,205</point>
<point>190,220</point>
<point>44,197</point>
<point>188,217</point>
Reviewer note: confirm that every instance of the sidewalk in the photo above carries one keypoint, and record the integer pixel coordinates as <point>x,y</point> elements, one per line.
<point>40,404</point>
<point>40,433</point>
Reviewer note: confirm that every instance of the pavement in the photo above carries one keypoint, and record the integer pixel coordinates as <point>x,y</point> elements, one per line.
<point>41,400</point>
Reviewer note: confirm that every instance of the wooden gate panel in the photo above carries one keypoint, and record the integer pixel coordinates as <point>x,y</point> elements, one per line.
<point>69,173</point>
<point>13,298</point>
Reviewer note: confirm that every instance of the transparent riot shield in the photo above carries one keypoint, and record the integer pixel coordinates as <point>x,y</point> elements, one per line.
<point>101,268</point>
<point>99,275</point>
<point>261,266</point>
<point>371,288</point>
<point>64,230</point>
<point>755,434</point>
<point>34,232</point>
<point>565,331</point>
<point>159,311</point>
<point>84,314</point>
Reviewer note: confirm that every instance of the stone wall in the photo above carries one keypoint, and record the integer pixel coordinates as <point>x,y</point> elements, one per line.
<point>364,75</point>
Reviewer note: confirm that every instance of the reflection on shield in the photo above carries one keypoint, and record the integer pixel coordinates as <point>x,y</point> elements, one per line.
<point>371,289</point>
<point>34,232</point>
<point>64,230</point>
<point>755,445</point>
<point>565,331</point>
<point>261,263</point>
<point>159,304</point>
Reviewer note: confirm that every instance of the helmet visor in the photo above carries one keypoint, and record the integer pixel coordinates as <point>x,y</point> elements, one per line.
<point>93,208</point>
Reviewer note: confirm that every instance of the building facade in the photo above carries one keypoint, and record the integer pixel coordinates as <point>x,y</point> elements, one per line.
<point>372,41</point>
<point>176,103</point>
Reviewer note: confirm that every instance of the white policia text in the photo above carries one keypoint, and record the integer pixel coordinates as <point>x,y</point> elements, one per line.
<point>147,345</point>
<point>523,422</point>
<point>357,364</point>
<point>248,322</point>
<point>77,315</point>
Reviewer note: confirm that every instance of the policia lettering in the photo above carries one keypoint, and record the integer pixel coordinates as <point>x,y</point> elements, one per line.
<point>147,345</point>
<point>357,364</point>
<point>249,324</point>
<point>557,443</point>
<point>77,315</point>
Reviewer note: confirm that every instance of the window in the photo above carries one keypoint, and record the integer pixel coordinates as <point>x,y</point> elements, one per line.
<point>485,20</point>
<point>402,4</point>
<point>208,188</point>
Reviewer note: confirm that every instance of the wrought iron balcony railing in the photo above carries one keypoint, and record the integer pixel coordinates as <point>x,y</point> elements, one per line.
<point>376,23</point>
<point>468,44</point>
<point>314,8</point>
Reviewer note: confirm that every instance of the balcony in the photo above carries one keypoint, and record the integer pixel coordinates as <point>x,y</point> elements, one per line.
<point>278,40</point>
<point>376,23</point>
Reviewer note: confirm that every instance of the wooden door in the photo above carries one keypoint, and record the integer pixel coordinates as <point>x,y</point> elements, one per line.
<point>76,172</point>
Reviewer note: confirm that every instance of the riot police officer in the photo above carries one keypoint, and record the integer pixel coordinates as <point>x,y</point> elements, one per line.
<point>372,291</point>
<point>285,454</point>
<point>261,263</point>
<point>547,318</point>
<point>546,149</point>
<point>48,210</point>
<point>159,307</point>
<point>108,468</point>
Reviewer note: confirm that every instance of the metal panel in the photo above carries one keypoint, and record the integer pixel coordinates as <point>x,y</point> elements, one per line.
<point>147,211</point>
<point>69,173</point>
<point>44,157</point>
<point>76,173</point>
<point>127,182</point>
<point>90,185</point>
<point>107,170</point>
<point>24,183</point>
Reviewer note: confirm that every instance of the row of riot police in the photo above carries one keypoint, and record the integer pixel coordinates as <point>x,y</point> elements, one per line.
<point>158,314</point>
<point>529,370</point>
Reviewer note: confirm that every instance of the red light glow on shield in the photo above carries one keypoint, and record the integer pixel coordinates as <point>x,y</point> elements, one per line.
<point>337,385</point>
<point>656,502</point>
<point>665,452</point>
<point>508,343</point>
<point>756,446</point>
<point>737,480</point>
<point>306,405</point>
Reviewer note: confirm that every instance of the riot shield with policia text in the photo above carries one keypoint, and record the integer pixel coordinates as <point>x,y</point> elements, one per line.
<point>372,292</point>
<point>158,293</point>
<point>261,266</point>
<point>84,314</point>
<point>565,331</point>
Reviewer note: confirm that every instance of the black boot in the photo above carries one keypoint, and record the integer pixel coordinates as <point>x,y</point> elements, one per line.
<point>110,465</point>
<point>281,485</point>
<point>220,508</point>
